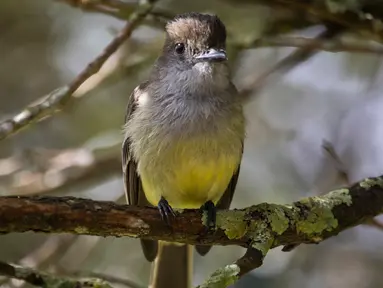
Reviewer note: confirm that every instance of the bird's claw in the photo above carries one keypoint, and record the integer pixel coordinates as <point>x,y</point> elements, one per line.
<point>211,211</point>
<point>166,211</point>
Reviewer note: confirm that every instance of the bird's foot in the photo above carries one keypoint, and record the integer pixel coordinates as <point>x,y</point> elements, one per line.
<point>211,211</point>
<point>166,210</point>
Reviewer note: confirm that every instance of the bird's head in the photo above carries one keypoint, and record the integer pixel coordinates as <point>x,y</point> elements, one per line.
<point>195,40</point>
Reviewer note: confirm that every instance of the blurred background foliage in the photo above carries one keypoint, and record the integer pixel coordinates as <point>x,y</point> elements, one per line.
<point>336,97</point>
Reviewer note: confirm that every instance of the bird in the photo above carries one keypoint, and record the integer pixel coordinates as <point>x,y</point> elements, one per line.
<point>184,136</point>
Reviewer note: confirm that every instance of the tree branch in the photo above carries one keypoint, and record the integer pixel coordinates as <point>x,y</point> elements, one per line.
<point>316,44</point>
<point>365,19</point>
<point>109,278</point>
<point>258,228</point>
<point>41,279</point>
<point>48,171</point>
<point>358,19</point>
<point>287,63</point>
<point>59,98</point>
<point>119,9</point>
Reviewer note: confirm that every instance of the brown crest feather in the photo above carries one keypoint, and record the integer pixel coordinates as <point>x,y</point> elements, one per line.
<point>204,29</point>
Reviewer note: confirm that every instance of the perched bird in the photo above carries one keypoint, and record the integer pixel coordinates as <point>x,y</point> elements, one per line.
<point>184,132</point>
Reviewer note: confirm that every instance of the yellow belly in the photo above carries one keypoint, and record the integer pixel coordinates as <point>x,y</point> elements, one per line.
<point>190,180</point>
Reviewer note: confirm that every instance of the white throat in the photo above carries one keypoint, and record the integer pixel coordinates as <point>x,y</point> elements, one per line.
<point>204,68</point>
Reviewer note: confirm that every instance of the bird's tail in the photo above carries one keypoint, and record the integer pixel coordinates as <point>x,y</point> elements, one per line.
<point>173,267</point>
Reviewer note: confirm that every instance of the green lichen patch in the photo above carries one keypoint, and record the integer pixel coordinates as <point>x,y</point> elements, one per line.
<point>338,197</point>
<point>264,243</point>
<point>72,283</point>
<point>204,218</point>
<point>261,237</point>
<point>232,223</point>
<point>318,215</point>
<point>318,219</point>
<point>271,214</point>
<point>98,283</point>
<point>178,210</point>
<point>223,277</point>
<point>51,281</point>
<point>81,230</point>
<point>370,182</point>
<point>278,220</point>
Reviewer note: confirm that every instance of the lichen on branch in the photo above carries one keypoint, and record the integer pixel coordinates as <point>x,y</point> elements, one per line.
<point>258,228</point>
<point>42,279</point>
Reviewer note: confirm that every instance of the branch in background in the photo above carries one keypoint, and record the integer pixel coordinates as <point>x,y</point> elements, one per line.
<point>120,10</point>
<point>59,98</point>
<point>286,64</point>
<point>110,279</point>
<point>47,252</point>
<point>359,21</point>
<point>317,44</point>
<point>308,48</point>
<point>341,169</point>
<point>52,171</point>
<point>366,22</point>
<point>42,279</point>
<point>258,228</point>
<point>112,8</point>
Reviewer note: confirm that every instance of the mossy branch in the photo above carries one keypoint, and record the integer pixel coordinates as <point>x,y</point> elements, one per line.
<point>258,228</point>
<point>42,279</point>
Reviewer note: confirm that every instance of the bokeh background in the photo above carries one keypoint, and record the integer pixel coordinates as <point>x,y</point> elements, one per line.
<point>335,97</point>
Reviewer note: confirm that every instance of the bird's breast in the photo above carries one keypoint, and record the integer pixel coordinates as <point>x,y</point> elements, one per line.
<point>189,173</point>
<point>186,154</point>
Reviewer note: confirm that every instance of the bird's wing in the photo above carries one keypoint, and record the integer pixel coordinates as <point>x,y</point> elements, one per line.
<point>227,197</point>
<point>129,166</point>
<point>132,182</point>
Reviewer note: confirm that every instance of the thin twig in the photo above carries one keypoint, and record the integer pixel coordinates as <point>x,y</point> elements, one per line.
<point>96,6</point>
<point>316,44</point>
<point>334,157</point>
<point>357,21</point>
<point>286,64</point>
<point>59,98</point>
<point>120,10</point>
<point>87,5</point>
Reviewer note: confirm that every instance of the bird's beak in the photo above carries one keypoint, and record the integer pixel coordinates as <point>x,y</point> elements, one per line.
<point>212,55</point>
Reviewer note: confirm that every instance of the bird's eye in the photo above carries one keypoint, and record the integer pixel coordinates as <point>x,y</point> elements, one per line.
<point>180,48</point>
